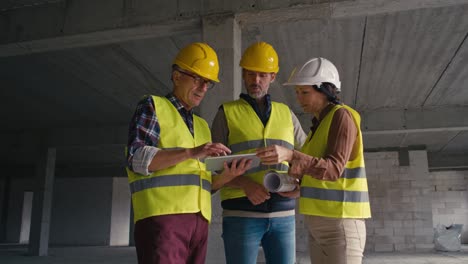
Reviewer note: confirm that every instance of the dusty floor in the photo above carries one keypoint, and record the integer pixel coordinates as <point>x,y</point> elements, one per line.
<point>14,254</point>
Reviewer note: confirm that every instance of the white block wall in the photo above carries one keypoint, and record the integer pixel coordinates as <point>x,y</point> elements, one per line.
<point>450,199</point>
<point>400,199</point>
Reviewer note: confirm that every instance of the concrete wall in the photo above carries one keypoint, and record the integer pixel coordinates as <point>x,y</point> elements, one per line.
<point>450,199</point>
<point>81,211</point>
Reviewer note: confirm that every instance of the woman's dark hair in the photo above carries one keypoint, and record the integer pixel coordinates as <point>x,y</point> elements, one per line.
<point>330,90</point>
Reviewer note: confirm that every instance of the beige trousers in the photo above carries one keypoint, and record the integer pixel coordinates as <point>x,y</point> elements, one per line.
<point>335,240</point>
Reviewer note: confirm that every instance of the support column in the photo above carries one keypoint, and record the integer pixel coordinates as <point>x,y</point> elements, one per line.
<point>4,201</point>
<point>223,34</point>
<point>26,218</point>
<point>131,235</point>
<point>42,203</point>
<point>120,215</point>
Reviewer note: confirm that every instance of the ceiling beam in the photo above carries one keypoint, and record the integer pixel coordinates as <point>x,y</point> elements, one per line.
<point>388,121</point>
<point>340,9</point>
<point>100,38</point>
<point>415,130</point>
<point>56,26</point>
<point>448,161</point>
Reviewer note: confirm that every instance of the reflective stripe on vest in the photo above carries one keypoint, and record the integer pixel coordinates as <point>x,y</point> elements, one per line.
<point>181,188</point>
<point>169,180</point>
<point>247,133</point>
<point>346,197</point>
<point>353,173</point>
<point>253,144</point>
<point>334,195</point>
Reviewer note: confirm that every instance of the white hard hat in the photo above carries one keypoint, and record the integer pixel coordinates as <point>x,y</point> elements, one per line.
<point>315,72</point>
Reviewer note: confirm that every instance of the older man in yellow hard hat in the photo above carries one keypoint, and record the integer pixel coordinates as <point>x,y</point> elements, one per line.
<point>170,187</point>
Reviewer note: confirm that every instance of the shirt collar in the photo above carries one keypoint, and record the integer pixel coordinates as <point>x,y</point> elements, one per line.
<point>176,102</point>
<point>325,111</point>
<point>252,101</point>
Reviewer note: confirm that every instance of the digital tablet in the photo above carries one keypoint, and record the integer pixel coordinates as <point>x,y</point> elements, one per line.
<point>217,163</point>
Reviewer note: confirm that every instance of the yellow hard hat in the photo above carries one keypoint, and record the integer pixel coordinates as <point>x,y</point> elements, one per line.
<point>260,57</point>
<point>200,59</point>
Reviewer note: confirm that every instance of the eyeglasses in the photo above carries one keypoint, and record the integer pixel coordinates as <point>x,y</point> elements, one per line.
<point>199,80</point>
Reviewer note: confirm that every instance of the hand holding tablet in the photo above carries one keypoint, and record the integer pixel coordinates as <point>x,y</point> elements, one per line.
<point>217,163</point>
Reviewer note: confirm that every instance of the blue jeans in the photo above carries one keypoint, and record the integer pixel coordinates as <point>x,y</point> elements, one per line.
<point>243,235</point>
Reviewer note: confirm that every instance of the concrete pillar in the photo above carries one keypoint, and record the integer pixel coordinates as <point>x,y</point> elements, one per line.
<point>223,34</point>
<point>131,239</point>
<point>42,202</point>
<point>26,217</point>
<point>4,194</point>
<point>120,214</point>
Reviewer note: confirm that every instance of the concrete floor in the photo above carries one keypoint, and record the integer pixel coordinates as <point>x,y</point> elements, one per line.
<point>14,254</point>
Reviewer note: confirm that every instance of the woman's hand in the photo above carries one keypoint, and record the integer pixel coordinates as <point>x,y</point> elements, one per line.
<point>274,154</point>
<point>299,164</point>
<point>294,193</point>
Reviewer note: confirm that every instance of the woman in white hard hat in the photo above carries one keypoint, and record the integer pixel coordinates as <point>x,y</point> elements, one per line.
<point>334,195</point>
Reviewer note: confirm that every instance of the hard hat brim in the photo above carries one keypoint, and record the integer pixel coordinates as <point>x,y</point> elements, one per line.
<point>337,85</point>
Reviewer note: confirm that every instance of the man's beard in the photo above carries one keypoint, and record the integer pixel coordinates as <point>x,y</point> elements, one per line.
<point>260,94</point>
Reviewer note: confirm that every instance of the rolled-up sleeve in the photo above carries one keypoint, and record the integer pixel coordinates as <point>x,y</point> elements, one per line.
<point>143,136</point>
<point>142,159</point>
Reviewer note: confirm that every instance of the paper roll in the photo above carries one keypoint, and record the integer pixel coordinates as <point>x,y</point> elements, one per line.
<point>279,182</point>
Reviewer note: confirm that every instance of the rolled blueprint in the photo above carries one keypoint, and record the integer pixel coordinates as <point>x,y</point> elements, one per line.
<point>279,182</point>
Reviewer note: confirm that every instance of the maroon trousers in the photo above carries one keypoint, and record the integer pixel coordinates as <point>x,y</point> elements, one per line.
<point>172,239</point>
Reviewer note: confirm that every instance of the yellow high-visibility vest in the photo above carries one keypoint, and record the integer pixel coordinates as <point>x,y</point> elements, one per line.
<point>182,188</point>
<point>347,197</point>
<point>247,133</point>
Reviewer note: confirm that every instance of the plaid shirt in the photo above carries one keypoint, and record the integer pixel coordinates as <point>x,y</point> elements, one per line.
<point>144,129</point>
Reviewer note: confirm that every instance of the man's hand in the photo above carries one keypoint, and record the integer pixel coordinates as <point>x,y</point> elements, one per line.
<point>230,172</point>
<point>209,149</point>
<point>274,154</point>
<point>236,168</point>
<point>256,193</point>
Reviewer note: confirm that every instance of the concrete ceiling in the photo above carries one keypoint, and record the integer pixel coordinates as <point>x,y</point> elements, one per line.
<point>71,79</point>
